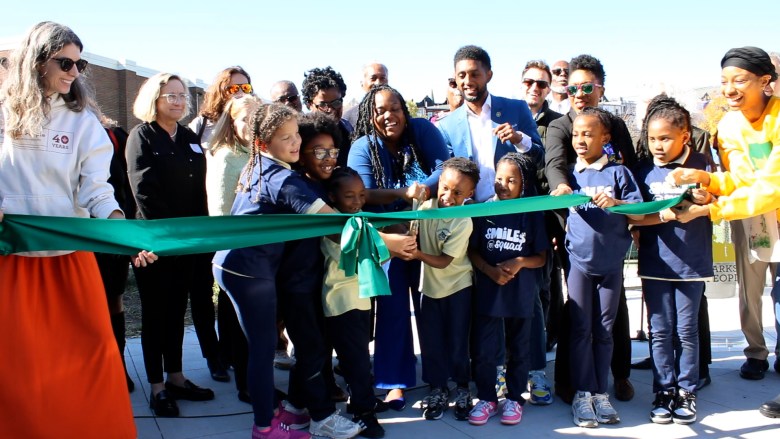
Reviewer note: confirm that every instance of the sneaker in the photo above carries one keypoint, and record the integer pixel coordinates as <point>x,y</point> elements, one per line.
<point>335,426</point>
<point>500,382</point>
<point>283,361</point>
<point>511,413</point>
<point>753,369</point>
<point>435,404</point>
<point>278,430</point>
<point>582,410</point>
<point>464,402</point>
<point>483,411</point>
<point>540,388</point>
<point>662,407</point>
<point>684,408</point>
<point>605,413</point>
<point>293,417</point>
<point>373,430</point>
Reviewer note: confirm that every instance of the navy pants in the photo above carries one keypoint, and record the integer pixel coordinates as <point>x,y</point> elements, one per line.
<point>538,339</point>
<point>394,359</point>
<point>673,311</point>
<point>350,333</point>
<point>444,326</point>
<point>487,343</point>
<point>302,313</point>
<point>592,309</point>
<point>255,301</point>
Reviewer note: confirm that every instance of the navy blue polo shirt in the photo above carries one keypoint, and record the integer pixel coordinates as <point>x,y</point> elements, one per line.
<point>281,190</point>
<point>673,250</point>
<point>597,240</point>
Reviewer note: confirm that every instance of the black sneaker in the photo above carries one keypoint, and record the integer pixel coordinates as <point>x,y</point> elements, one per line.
<point>753,369</point>
<point>684,408</point>
<point>464,402</point>
<point>662,407</point>
<point>373,429</point>
<point>435,404</point>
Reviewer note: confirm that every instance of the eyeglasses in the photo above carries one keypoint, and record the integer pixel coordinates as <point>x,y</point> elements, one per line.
<point>587,88</point>
<point>234,88</point>
<point>559,72</point>
<point>173,98</point>
<point>66,64</point>
<point>334,104</point>
<point>285,99</point>
<point>530,82</point>
<point>320,153</point>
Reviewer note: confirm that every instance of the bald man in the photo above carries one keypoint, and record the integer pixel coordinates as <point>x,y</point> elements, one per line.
<point>285,92</point>
<point>373,74</point>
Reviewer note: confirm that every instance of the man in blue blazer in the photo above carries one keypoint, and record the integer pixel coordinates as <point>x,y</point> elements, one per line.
<point>487,127</point>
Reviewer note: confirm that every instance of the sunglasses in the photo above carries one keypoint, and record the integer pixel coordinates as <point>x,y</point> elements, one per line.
<point>334,104</point>
<point>587,88</point>
<point>285,99</point>
<point>66,64</point>
<point>541,84</point>
<point>233,89</point>
<point>320,153</point>
<point>559,72</point>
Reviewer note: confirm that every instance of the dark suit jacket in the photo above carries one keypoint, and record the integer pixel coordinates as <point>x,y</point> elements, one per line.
<point>457,137</point>
<point>560,155</point>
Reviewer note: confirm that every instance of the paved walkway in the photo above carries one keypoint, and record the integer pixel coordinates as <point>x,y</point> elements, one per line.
<point>726,408</point>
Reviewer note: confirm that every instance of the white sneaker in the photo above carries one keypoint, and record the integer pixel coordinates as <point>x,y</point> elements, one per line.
<point>283,361</point>
<point>582,410</point>
<point>605,413</point>
<point>335,426</point>
<point>539,387</point>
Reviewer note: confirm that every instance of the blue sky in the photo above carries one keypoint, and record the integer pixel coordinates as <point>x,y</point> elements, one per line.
<point>641,44</point>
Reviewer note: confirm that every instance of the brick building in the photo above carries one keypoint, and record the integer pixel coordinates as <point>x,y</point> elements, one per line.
<point>116,84</point>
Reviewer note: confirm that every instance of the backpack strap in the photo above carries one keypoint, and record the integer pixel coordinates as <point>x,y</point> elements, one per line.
<point>114,140</point>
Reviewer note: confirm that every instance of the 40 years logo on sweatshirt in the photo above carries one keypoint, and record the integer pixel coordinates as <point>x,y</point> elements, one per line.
<point>60,142</point>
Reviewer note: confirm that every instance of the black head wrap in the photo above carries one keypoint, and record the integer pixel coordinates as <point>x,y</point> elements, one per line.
<point>752,59</point>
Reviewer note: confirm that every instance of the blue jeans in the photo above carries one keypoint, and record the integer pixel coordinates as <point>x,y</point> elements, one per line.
<point>673,312</point>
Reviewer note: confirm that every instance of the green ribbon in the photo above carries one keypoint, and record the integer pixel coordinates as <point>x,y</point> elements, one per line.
<point>362,248</point>
<point>363,251</point>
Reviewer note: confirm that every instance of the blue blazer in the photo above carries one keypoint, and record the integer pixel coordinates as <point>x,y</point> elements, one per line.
<point>455,129</point>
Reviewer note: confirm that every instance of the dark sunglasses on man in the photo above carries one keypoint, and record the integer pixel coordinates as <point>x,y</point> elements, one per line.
<point>559,72</point>
<point>288,98</point>
<point>66,64</point>
<point>540,83</point>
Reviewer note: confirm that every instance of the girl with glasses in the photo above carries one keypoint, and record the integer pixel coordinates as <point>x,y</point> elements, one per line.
<point>60,356</point>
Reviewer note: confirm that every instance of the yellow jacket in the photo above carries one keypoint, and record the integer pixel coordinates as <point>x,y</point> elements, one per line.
<point>750,153</point>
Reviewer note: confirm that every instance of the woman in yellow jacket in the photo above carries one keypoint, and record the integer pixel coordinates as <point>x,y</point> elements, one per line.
<point>749,137</point>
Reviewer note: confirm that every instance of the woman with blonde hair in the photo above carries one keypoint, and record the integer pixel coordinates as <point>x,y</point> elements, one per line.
<point>167,173</point>
<point>60,374</point>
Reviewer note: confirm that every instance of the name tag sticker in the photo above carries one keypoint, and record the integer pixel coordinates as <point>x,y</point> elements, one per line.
<point>60,142</point>
<point>195,147</point>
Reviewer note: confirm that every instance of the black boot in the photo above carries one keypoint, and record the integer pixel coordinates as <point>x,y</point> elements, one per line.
<point>373,430</point>
<point>118,326</point>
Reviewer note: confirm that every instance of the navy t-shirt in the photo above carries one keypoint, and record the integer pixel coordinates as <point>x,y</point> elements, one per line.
<point>597,240</point>
<point>303,264</point>
<point>282,190</point>
<point>503,237</point>
<point>673,250</point>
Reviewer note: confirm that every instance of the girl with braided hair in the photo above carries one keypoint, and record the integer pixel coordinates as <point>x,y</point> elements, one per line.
<point>399,159</point>
<point>675,259</point>
<point>268,185</point>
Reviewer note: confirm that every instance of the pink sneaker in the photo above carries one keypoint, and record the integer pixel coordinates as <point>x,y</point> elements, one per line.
<point>512,412</point>
<point>290,416</point>
<point>279,430</point>
<point>483,411</point>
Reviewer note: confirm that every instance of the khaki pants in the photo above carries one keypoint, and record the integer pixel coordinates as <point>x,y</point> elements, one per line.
<point>751,279</point>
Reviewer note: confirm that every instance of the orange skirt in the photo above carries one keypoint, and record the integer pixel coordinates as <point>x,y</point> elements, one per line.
<point>60,375</point>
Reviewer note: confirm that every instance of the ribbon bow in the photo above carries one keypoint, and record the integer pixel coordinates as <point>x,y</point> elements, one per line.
<point>362,252</point>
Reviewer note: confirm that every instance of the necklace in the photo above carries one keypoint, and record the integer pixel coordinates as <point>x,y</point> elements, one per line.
<point>175,130</point>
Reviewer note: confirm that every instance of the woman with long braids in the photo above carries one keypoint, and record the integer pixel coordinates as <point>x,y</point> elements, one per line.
<point>399,159</point>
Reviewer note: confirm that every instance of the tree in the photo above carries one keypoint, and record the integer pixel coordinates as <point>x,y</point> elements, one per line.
<point>412,107</point>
